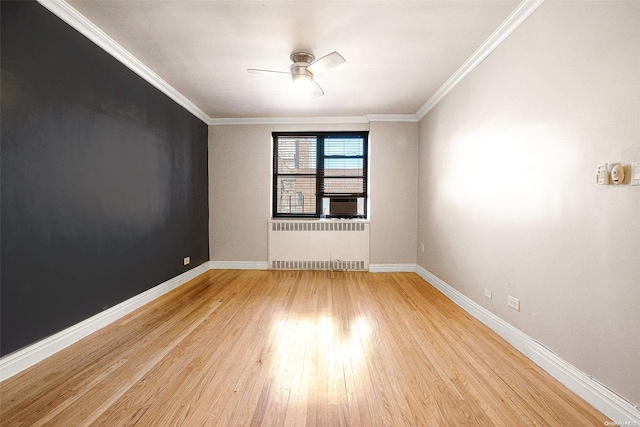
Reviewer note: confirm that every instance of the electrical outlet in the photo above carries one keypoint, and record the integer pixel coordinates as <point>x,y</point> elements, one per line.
<point>514,303</point>
<point>422,247</point>
<point>187,260</point>
<point>487,293</point>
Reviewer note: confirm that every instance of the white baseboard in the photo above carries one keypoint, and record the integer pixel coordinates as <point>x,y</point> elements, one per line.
<point>392,268</point>
<point>20,360</point>
<point>238,265</point>
<point>606,401</point>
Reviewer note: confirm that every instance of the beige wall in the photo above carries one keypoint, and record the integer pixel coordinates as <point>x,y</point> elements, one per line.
<point>507,198</point>
<point>240,189</point>
<point>239,193</point>
<point>394,190</point>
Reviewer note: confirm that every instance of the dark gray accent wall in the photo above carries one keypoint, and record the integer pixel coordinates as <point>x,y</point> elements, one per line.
<point>103,180</point>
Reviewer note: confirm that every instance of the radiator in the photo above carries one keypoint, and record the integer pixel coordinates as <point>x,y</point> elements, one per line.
<point>318,245</point>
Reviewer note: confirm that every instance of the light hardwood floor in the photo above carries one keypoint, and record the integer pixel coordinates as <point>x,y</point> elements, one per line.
<point>293,348</point>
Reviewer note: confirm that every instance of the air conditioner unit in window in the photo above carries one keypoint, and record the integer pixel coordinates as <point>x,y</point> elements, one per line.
<point>343,207</point>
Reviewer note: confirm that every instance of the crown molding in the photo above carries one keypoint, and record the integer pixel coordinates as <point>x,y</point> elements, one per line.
<point>288,120</point>
<point>392,118</point>
<point>368,118</point>
<point>76,20</point>
<point>508,26</point>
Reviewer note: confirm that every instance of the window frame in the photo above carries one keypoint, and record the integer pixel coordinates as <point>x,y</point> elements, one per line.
<point>319,173</point>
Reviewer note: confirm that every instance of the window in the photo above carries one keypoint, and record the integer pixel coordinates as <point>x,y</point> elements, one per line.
<point>318,174</point>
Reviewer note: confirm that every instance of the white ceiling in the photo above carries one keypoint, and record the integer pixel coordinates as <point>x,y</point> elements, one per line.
<point>398,53</point>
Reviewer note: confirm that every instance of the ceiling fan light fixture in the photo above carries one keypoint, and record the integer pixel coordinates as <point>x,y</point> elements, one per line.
<point>303,68</point>
<point>301,77</point>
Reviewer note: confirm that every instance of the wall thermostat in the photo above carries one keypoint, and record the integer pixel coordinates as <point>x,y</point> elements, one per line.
<point>617,174</point>
<point>635,173</point>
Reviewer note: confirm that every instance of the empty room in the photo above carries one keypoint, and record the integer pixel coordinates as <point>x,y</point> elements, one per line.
<point>336,213</point>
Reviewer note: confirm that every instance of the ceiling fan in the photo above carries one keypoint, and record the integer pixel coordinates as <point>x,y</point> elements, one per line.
<point>303,69</point>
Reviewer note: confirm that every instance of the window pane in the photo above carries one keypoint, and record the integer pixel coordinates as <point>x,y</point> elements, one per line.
<point>343,186</point>
<point>343,147</point>
<point>343,167</point>
<point>296,194</point>
<point>297,154</point>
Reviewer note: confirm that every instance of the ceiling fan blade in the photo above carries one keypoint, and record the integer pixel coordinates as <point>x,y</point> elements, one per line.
<point>315,91</point>
<point>326,62</point>
<point>257,71</point>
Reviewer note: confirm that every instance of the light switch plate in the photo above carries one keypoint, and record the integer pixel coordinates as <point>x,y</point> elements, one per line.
<point>602,174</point>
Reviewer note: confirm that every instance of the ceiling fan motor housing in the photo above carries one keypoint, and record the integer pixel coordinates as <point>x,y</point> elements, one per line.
<point>299,71</point>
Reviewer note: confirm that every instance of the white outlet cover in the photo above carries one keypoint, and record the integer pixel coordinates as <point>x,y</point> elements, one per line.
<point>487,293</point>
<point>514,303</point>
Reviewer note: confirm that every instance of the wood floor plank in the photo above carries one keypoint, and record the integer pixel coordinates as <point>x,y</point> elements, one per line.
<point>293,348</point>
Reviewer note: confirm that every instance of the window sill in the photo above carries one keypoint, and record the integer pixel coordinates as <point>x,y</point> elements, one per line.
<point>358,220</point>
